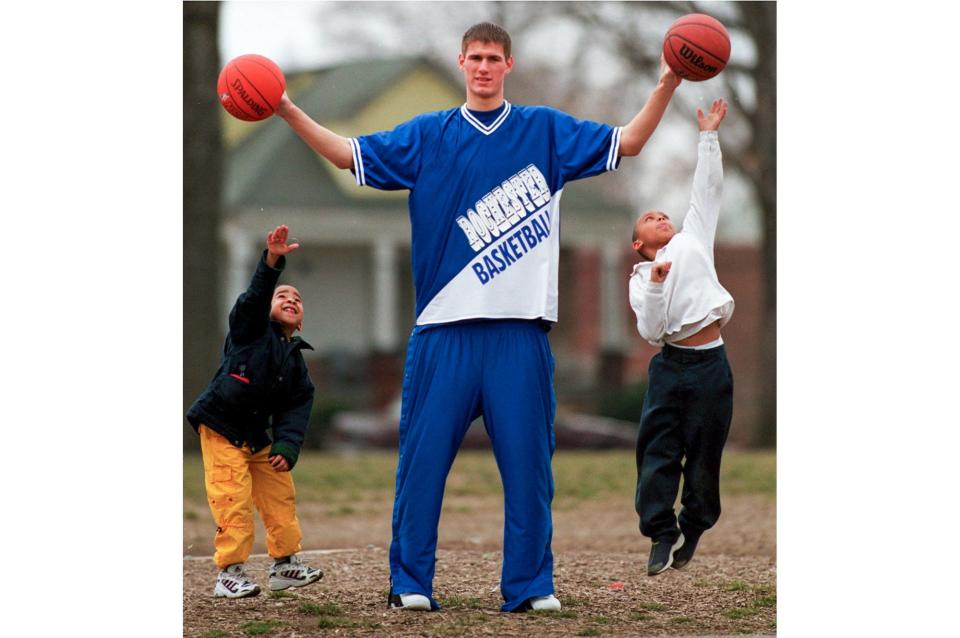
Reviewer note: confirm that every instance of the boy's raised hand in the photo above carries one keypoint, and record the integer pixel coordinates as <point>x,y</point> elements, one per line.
<point>711,121</point>
<point>277,244</point>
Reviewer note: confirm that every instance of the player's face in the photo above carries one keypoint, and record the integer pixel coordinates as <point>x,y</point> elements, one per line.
<point>286,307</point>
<point>653,229</point>
<point>484,66</point>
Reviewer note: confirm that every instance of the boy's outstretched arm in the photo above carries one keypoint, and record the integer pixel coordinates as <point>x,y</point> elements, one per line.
<point>251,313</point>
<point>635,134</point>
<point>335,148</point>
<point>707,191</point>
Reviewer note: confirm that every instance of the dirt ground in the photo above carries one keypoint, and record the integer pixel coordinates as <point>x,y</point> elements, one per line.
<point>600,559</point>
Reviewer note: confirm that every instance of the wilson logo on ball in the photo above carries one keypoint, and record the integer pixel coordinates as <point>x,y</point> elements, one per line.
<point>696,60</point>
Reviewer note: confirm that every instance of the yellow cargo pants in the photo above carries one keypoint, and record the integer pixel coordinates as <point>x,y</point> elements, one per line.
<point>236,480</point>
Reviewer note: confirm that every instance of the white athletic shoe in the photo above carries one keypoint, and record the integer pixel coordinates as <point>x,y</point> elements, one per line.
<point>545,603</point>
<point>413,602</point>
<point>232,582</point>
<point>292,573</point>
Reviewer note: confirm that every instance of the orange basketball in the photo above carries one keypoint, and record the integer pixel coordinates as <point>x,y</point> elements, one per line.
<point>696,47</point>
<point>250,87</point>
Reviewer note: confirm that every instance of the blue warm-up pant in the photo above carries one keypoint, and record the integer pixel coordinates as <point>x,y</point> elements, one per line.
<point>454,373</point>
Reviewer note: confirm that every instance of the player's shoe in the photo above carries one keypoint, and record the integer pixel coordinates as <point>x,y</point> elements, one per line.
<point>232,582</point>
<point>413,602</point>
<point>661,556</point>
<point>544,603</point>
<point>684,553</point>
<point>290,572</point>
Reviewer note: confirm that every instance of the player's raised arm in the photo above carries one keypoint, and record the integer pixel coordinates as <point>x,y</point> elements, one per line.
<point>335,148</point>
<point>641,127</point>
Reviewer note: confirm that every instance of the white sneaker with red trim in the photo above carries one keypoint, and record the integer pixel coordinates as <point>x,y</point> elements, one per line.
<point>232,582</point>
<point>292,573</point>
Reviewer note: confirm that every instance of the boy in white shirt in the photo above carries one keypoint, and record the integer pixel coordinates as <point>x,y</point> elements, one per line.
<point>681,306</point>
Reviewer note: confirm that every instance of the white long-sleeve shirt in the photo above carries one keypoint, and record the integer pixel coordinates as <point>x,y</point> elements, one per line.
<point>691,297</point>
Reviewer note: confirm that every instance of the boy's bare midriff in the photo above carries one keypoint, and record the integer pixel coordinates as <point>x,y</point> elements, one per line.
<point>706,335</point>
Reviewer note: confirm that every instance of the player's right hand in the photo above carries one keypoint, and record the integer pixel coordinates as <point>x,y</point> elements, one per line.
<point>659,271</point>
<point>277,241</point>
<point>667,77</point>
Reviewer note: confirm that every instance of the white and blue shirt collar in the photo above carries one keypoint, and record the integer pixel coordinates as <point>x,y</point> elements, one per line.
<point>486,129</point>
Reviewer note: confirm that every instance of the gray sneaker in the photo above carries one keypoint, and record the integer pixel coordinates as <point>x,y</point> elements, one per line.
<point>290,572</point>
<point>232,582</point>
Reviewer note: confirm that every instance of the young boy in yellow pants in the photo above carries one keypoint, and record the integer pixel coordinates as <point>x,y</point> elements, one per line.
<point>262,384</point>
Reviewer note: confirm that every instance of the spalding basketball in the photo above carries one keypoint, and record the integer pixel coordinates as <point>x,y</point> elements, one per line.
<point>696,47</point>
<point>250,87</point>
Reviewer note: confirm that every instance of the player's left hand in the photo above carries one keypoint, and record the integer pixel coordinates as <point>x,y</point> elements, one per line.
<point>711,121</point>
<point>279,463</point>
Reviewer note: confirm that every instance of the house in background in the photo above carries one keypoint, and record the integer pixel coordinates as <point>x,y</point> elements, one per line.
<point>353,268</point>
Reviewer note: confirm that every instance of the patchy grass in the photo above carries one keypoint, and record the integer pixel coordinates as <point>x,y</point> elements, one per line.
<point>734,585</point>
<point>458,626</point>
<point>281,594</point>
<point>313,609</point>
<point>764,601</point>
<point>258,627</point>
<point>335,622</point>
<point>215,633</point>
<point>652,606</point>
<point>462,601</point>
<point>638,615</point>
<point>563,613</point>
<point>343,481</point>
<point>738,613</point>
<point>589,631</point>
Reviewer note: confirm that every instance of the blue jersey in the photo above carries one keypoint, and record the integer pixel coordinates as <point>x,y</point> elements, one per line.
<point>485,203</point>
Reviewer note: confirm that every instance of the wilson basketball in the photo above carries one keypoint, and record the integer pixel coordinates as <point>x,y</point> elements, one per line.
<point>696,47</point>
<point>250,87</point>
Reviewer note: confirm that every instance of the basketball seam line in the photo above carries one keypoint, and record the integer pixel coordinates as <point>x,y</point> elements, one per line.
<point>266,68</point>
<point>253,87</point>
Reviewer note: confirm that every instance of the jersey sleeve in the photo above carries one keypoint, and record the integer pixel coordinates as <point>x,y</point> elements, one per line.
<point>388,160</point>
<point>585,148</point>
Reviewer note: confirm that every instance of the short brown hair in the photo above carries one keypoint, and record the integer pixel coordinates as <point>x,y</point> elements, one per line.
<point>487,32</point>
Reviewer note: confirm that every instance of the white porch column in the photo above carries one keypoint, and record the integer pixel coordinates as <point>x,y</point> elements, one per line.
<point>613,292</point>
<point>385,297</point>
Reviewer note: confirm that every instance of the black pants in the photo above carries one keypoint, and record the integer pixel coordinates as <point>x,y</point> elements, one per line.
<point>686,413</point>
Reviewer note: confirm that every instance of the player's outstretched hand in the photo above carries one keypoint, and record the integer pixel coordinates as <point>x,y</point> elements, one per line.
<point>659,271</point>
<point>285,105</point>
<point>711,121</point>
<point>277,244</point>
<point>667,77</point>
<point>279,463</point>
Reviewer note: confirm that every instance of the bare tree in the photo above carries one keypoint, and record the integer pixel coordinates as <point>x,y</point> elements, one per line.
<point>202,178</point>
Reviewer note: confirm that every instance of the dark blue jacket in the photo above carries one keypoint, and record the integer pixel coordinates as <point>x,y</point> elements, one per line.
<point>262,382</point>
